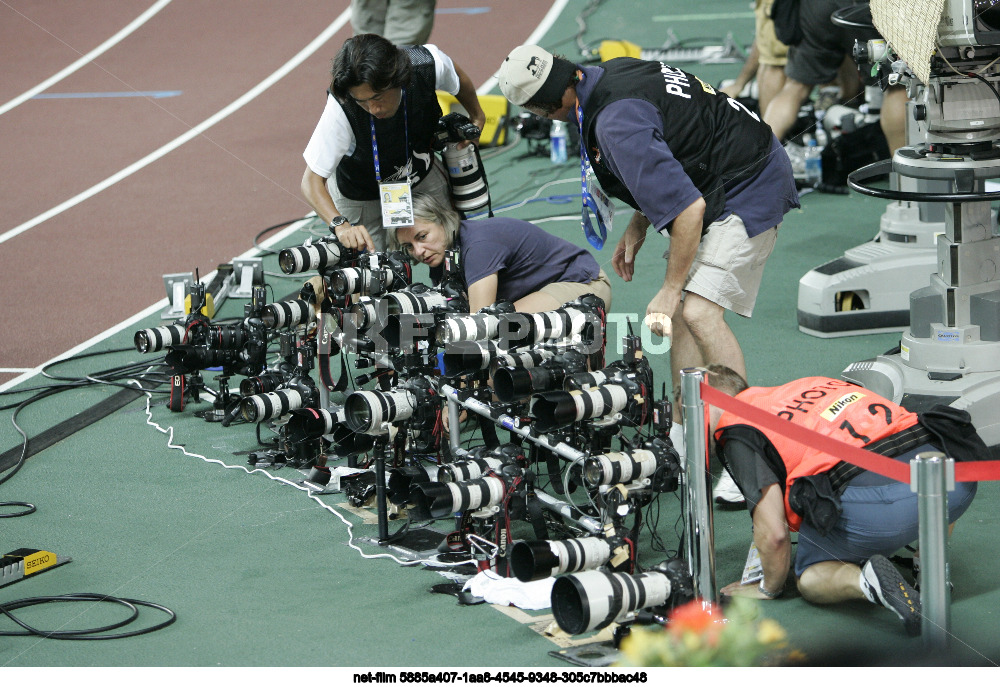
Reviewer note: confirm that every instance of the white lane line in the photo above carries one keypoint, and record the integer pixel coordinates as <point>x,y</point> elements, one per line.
<point>544,26</point>
<point>138,317</point>
<point>86,59</point>
<point>184,138</point>
<point>547,21</point>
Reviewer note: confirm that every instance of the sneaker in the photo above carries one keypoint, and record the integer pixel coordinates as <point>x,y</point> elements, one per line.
<point>726,493</point>
<point>883,584</point>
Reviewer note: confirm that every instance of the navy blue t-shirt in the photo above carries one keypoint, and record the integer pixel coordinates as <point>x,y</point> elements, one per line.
<point>630,133</point>
<point>524,257</point>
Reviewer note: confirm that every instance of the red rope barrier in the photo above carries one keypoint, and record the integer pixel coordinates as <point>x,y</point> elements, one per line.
<point>979,471</point>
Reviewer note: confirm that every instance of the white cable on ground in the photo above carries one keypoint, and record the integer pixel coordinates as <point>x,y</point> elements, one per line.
<point>169,431</point>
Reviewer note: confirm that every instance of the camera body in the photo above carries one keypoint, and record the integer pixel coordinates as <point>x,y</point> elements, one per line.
<point>454,127</point>
<point>974,23</point>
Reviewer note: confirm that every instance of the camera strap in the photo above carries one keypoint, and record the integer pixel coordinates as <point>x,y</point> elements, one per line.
<point>323,358</point>
<point>535,517</point>
<point>396,198</point>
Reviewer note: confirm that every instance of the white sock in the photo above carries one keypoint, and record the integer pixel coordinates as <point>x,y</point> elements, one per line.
<point>867,588</point>
<point>677,439</point>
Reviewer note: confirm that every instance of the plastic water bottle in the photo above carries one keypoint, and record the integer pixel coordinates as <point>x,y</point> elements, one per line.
<point>814,163</point>
<point>557,142</point>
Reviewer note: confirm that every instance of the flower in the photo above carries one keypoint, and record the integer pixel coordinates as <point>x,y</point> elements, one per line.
<point>701,634</point>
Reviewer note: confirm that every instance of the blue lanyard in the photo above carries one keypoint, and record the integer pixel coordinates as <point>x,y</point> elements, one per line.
<point>596,239</point>
<point>406,134</point>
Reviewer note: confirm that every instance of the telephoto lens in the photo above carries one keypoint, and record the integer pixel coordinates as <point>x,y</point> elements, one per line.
<point>226,337</point>
<point>440,499</point>
<point>532,357</point>
<point>620,467</point>
<point>305,424</point>
<point>399,482</point>
<point>555,409</point>
<point>366,312</point>
<point>349,280</point>
<point>514,383</point>
<point>584,380</point>
<point>478,327</point>
<point>467,357</point>
<point>464,470</point>
<point>287,314</point>
<point>592,600</point>
<point>405,332</point>
<point>316,256</point>
<point>367,411</point>
<point>262,383</point>
<point>158,338</point>
<point>538,560</point>
<point>410,303</point>
<point>263,407</point>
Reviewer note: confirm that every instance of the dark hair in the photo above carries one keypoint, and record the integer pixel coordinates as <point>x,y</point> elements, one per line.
<point>560,65</point>
<point>368,59</point>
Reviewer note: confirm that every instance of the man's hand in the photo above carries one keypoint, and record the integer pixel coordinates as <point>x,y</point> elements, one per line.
<point>629,244</point>
<point>480,122</point>
<point>356,237</point>
<point>660,310</point>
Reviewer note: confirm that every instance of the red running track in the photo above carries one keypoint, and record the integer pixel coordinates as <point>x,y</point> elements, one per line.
<point>86,269</point>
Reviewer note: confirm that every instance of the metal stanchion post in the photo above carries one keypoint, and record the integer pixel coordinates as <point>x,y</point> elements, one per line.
<point>932,476</point>
<point>699,523</point>
<point>454,425</point>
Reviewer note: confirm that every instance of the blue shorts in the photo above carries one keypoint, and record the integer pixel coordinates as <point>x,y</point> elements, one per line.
<point>877,519</point>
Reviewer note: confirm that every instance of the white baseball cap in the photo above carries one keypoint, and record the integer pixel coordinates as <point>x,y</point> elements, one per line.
<point>533,73</point>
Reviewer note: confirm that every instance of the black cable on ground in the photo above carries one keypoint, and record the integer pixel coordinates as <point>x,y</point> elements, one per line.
<point>90,634</point>
<point>256,239</point>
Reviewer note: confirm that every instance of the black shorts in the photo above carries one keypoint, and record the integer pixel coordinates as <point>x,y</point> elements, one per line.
<point>817,58</point>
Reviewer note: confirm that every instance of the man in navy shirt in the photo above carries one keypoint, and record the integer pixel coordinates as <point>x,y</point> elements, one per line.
<point>693,163</point>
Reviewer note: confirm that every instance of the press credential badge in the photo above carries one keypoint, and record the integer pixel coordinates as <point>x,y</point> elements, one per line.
<point>397,204</point>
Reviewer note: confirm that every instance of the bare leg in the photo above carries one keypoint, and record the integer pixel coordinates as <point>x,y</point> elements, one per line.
<point>702,337</point>
<point>684,352</point>
<point>770,80</point>
<point>849,81</point>
<point>893,118</point>
<point>715,341</point>
<point>830,582</point>
<point>537,302</point>
<point>784,108</point>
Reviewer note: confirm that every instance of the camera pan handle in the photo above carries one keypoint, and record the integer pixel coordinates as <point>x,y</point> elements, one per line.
<point>858,178</point>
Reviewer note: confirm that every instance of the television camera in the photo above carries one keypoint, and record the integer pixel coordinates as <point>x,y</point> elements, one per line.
<point>950,351</point>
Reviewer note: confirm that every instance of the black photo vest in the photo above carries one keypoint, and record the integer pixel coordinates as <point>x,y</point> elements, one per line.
<point>356,172</point>
<point>716,141</point>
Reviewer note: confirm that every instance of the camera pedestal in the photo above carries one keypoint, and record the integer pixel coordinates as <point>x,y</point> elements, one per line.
<point>951,352</point>
<point>867,289</point>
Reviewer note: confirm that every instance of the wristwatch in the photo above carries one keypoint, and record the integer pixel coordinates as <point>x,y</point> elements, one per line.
<point>337,221</point>
<point>767,594</point>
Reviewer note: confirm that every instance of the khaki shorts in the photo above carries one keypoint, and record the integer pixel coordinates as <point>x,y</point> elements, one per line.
<point>566,291</point>
<point>770,50</point>
<point>729,265</point>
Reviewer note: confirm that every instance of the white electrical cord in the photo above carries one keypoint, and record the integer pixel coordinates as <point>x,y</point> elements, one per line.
<point>169,431</point>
